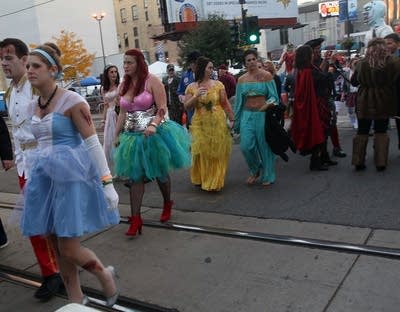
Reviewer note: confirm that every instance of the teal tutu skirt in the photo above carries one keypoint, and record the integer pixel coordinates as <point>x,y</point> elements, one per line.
<point>142,158</point>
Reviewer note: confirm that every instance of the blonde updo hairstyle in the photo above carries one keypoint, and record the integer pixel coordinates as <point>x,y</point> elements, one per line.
<point>50,54</point>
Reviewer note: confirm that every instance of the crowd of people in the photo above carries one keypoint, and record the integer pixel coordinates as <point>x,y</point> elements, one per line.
<point>153,127</point>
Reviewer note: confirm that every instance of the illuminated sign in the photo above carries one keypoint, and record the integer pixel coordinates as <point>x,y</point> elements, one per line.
<point>327,9</point>
<point>180,11</point>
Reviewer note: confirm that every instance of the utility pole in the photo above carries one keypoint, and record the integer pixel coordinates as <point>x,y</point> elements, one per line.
<point>348,28</point>
<point>244,11</point>
<point>99,18</point>
<point>244,14</point>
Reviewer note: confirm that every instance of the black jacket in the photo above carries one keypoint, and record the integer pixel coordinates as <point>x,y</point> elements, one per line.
<point>5,142</point>
<point>276,136</point>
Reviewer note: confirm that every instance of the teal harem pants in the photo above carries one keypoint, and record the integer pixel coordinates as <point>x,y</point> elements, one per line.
<point>258,155</point>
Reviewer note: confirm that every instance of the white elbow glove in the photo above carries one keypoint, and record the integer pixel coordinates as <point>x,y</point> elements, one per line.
<point>99,159</point>
<point>111,196</point>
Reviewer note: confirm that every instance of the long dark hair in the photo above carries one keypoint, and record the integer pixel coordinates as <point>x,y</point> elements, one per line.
<point>106,83</point>
<point>376,54</point>
<point>201,65</point>
<point>303,57</point>
<point>142,72</point>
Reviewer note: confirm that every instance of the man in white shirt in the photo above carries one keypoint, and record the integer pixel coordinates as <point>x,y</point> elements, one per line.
<point>14,57</point>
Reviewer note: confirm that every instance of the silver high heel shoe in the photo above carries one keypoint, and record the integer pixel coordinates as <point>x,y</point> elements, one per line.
<point>110,301</point>
<point>85,300</point>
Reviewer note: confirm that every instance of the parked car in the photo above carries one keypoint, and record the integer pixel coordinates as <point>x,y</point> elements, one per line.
<point>3,106</point>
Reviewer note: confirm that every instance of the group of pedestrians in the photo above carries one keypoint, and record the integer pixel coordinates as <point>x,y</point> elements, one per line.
<point>369,88</point>
<point>67,176</point>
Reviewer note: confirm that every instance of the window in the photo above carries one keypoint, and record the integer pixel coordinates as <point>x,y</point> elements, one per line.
<point>135,13</point>
<point>146,15</point>
<point>135,31</point>
<point>123,15</point>
<point>126,40</point>
<point>137,46</point>
<point>119,41</point>
<point>145,4</point>
<point>283,36</point>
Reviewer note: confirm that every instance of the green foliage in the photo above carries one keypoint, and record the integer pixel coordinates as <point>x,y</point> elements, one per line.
<point>212,39</point>
<point>73,54</point>
<point>347,43</point>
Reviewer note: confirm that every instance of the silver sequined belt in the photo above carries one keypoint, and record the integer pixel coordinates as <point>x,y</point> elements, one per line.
<point>28,145</point>
<point>139,120</point>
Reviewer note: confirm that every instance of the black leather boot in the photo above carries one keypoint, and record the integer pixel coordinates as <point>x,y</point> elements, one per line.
<point>381,150</point>
<point>51,286</point>
<point>360,142</point>
<point>316,162</point>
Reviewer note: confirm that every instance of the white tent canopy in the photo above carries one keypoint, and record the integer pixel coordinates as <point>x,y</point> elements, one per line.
<point>160,68</point>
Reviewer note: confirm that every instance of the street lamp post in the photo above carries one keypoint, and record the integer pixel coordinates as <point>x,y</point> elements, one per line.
<point>99,18</point>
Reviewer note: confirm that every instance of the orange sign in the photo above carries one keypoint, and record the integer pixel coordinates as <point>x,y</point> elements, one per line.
<point>327,9</point>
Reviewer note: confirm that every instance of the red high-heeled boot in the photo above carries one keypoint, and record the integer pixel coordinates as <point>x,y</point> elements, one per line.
<point>166,213</point>
<point>136,225</point>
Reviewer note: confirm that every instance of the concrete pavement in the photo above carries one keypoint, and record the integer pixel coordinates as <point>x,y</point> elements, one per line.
<point>197,272</point>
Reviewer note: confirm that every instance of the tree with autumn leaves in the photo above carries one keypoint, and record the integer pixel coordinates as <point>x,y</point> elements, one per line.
<point>74,56</point>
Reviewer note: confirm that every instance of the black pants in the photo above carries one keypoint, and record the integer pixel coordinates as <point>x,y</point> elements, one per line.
<point>398,129</point>
<point>3,236</point>
<point>380,125</point>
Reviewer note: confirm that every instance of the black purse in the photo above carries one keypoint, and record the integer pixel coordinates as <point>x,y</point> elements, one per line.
<point>117,109</point>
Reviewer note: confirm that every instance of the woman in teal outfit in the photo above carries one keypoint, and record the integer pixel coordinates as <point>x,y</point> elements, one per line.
<point>255,92</point>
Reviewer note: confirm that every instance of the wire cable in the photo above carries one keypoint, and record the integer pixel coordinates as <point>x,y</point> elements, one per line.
<point>27,8</point>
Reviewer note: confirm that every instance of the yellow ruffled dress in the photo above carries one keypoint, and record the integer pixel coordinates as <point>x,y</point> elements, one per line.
<point>211,140</point>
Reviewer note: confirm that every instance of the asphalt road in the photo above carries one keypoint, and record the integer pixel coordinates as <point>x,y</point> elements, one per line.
<point>338,196</point>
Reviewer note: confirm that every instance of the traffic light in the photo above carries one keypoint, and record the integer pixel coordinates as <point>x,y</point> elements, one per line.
<point>252,30</point>
<point>235,35</point>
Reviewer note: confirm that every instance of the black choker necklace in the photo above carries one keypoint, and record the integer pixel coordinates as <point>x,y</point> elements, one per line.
<point>48,101</point>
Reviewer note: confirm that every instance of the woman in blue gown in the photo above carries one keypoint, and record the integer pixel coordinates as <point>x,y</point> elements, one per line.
<point>70,191</point>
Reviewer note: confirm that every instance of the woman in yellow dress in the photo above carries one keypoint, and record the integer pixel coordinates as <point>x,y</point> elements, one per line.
<point>211,139</point>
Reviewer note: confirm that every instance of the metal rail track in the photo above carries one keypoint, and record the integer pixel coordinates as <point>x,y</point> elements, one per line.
<point>124,304</point>
<point>361,249</point>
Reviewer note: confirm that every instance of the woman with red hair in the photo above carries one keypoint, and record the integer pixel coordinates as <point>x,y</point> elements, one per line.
<point>149,146</point>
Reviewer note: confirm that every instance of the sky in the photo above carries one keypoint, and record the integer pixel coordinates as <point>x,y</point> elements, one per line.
<point>303,1</point>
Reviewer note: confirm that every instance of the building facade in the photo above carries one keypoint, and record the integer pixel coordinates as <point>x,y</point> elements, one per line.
<point>37,21</point>
<point>137,22</point>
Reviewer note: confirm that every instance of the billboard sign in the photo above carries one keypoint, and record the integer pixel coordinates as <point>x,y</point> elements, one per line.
<point>328,9</point>
<point>180,11</point>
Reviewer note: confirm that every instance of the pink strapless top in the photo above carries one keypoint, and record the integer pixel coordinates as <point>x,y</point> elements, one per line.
<point>141,102</point>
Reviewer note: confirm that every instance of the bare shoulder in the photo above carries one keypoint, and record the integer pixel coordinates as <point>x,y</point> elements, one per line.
<point>267,76</point>
<point>153,83</point>
<point>217,83</point>
<point>243,78</point>
<point>192,85</point>
<point>80,107</point>
<point>153,79</point>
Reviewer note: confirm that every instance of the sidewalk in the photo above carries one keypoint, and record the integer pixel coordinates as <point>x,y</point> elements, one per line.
<point>197,272</point>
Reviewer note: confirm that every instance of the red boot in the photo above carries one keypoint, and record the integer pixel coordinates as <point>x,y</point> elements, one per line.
<point>166,213</point>
<point>136,225</point>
